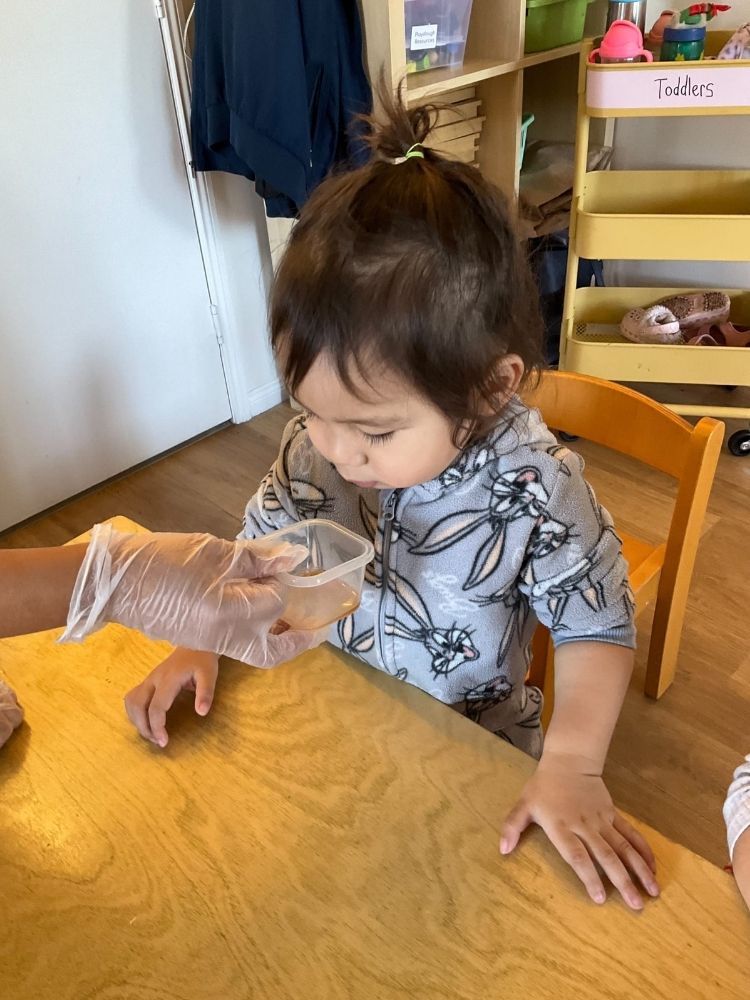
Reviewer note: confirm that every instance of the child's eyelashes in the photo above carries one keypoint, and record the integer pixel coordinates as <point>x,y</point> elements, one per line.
<point>374,439</point>
<point>378,438</point>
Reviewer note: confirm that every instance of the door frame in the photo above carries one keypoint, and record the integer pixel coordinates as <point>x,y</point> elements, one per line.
<point>244,402</point>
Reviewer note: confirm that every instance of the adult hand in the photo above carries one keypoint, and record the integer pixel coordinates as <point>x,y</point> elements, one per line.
<point>192,590</point>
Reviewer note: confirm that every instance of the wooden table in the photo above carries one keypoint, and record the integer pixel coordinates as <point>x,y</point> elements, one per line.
<point>327,832</point>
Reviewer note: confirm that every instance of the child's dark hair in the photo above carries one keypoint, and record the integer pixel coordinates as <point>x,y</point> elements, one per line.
<point>412,266</point>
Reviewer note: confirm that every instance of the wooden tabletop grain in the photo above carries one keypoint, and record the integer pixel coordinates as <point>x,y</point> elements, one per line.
<point>327,832</point>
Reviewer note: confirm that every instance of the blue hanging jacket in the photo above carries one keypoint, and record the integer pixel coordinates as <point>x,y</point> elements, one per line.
<point>277,86</point>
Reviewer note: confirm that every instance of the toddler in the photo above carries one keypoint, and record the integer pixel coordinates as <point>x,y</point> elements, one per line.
<point>404,321</point>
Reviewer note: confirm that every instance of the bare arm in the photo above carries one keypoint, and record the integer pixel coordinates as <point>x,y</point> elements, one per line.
<point>591,679</point>
<point>35,587</point>
<point>741,864</point>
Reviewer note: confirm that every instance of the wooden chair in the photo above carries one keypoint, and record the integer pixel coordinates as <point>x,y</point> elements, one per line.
<point>629,423</point>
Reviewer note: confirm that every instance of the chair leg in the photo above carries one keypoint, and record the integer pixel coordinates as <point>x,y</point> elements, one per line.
<point>663,649</point>
<point>679,559</point>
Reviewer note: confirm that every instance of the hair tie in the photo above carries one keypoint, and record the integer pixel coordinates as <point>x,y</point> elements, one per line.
<point>411,152</point>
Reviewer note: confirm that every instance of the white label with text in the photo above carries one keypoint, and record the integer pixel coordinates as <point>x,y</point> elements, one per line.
<point>424,36</point>
<point>721,86</point>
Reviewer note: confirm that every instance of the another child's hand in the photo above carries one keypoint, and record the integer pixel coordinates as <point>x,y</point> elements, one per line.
<point>575,810</point>
<point>183,670</point>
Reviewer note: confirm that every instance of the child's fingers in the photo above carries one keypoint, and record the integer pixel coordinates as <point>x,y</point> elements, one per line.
<point>515,823</point>
<point>611,862</point>
<point>161,702</point>
<point>205,685</point>
<point>136,707</point>
<point>572,849</point>
<point>636,839</point>
<point>632,859</point>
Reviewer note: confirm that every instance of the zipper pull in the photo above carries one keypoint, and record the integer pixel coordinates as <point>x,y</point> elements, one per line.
<point>390,507</point>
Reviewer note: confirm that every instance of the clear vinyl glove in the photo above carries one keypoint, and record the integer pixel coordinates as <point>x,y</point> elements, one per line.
<point>192,590</point>
<point>11,713</point>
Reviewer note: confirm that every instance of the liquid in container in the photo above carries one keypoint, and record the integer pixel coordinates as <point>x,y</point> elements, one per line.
<point>327,585</point>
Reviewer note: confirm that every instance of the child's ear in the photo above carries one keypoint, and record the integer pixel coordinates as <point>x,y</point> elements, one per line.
<point>508,374</point>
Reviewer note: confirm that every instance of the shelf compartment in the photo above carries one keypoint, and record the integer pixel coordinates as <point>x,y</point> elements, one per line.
<point>664,215</point>
<point>435,81</point>
<point>594,345</point>
<point>708,87</point>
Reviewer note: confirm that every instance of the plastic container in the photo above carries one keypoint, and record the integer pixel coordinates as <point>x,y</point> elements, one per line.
<point>551,23</point>
<point>683,44</point>
<point>328,584</point>
<point>436,32</point>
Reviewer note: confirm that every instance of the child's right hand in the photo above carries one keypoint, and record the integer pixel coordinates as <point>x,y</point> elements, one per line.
<point>183,670</point>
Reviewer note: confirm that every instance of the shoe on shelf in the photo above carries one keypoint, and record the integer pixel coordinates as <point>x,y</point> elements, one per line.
<point>721,335</point>
<point>694,309</point>
<point>655,325</point>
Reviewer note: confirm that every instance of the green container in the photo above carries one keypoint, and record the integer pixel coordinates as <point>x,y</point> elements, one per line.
<point>551,23</point>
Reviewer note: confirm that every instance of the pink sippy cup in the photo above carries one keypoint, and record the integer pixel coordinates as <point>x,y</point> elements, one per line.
<point>623,43</point>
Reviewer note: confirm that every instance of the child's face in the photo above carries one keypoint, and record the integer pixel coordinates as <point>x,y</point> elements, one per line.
<point>388,439</point>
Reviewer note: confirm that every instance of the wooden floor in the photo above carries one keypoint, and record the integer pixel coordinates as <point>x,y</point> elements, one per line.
<point>671,760</point>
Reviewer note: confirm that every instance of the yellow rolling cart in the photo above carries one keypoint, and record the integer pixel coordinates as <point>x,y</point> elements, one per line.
<point>657,215</point>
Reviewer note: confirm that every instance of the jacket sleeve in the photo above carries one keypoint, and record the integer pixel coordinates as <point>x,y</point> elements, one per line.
<point>575,577</point>
<point>273,506</point>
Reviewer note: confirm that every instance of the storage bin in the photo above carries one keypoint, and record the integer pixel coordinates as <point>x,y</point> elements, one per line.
<point>660,214</point>
<point>327,585</point>
<point>550,23</point>
<point>436,32</point>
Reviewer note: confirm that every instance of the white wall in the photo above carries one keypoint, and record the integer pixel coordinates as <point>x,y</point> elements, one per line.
<point>646,143</point>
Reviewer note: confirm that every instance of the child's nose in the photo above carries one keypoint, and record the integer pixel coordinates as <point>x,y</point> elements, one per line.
<point>343,449</point>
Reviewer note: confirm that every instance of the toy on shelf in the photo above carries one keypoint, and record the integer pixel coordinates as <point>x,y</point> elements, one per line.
<point>623,43</point>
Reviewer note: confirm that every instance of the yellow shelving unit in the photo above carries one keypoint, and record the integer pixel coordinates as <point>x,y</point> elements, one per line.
<point>656,215</point>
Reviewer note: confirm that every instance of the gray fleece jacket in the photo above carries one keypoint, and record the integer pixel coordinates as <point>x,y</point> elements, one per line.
<point>466,564</point>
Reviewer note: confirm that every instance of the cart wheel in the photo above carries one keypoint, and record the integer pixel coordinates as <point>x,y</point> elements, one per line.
<point>739,444</point>
<point>567,437</point>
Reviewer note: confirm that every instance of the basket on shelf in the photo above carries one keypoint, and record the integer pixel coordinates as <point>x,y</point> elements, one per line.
<point>551,23</point>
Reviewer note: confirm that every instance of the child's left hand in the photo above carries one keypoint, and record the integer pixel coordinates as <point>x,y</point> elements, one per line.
<point>569,800</point>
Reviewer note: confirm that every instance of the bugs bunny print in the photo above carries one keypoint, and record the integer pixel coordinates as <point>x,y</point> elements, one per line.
<point>449,647</point>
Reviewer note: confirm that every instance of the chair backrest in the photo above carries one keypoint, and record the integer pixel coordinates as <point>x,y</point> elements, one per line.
<point>615,417</point>
<point>631,424</point>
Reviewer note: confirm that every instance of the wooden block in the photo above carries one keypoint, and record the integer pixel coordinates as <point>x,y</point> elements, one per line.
<point>468,127</point>
<point>456,96</point>
<point>462,110</point>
